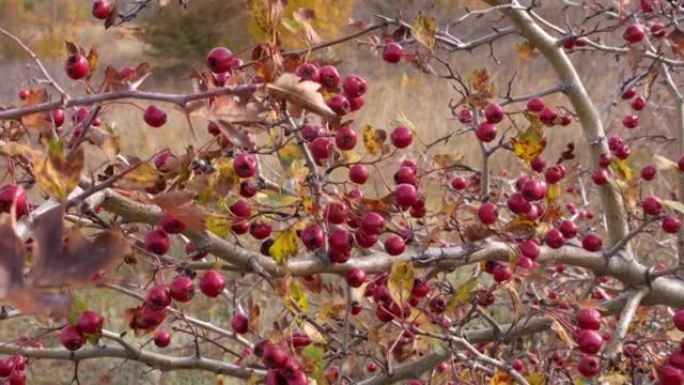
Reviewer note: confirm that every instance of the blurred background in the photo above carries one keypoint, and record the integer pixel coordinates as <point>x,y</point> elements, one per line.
<point>175,39</point>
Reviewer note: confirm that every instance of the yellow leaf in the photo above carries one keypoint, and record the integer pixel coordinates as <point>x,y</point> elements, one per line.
<point>373,139</point>
<point>400,282</point>
<point>623,169</point>
<point>664,163</point>
<point>297,296</point>
<point>554,192</point>
<point>302,94</point>
<point>501,378</point>
<point>285,246</point>
<point>56,174</point>
<point>424,30</point>
<point>145,175</point>
<point>482,83</point>
<point>562,334</point>
<point>613,378</point>
<point>276,200</point>
<point>93,60</point>
<point>536,379</point>
<point>462,294</point>
<point>290,153</point>
<point>264,19</point>
<point>219,226</point>
<point>528,144</point>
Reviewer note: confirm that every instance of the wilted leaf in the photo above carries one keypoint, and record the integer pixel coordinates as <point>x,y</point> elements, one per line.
<point>447,160</point>
<point>373,139</point>
<point>462,294</point>
<point>562,333</point>
<point>56,174</point>
<point>113,14</point>
<point>568,154</point>
<point>526,50</point>
<point>664,163</point>
<point>674,205</point>
<point>613,378</point>
<point>483,86</point>
<point>72,48</point>
<point>264,19</point>
<point>217,225</point>
<point>424,30</point>
<point>285,246</point>
<point>295,295</point>
<point>289,153</point>
<point>39,121</point>
<point>623,169</point>
<point>521,226</point>
<point>267,62</point>
<point>676,37</point>
<point>536,379</point>
<point>303,94</point>
<point>400,282</point>
<point>277,200</point>
<point>528,144</point>
<point>302,25</point>
<point>93,60</point>
<point>500,377</point>
<point>181,206</point>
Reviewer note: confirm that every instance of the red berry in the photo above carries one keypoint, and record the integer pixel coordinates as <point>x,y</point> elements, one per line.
<point>392,52</point>
<point>6,367</point>
<point>355,277</point>
<point>358,174</point>
<point>548,116</point>
<point>639,103</point>
<point>357,103</point>
<point>634,33</point>
<point>89,322</point>
<point>680,163</point>
<point>157,242</point>
<point>336,212</point>
<point>630,121</point>
<point>488,213</point>
<point>465,116</point>
<point>486,132</point>
<point>154,116</point>
<point>71,338</point>
<point>77,66</point>
<point>395,245</point>
<point>241,209</point>
<point>530,249</point>
<point>248,189</point>
<point>354,86</point>
<point>312,237</point>
<point>679,319</point>
<point>162,338</point>
<point>245,165</point>
<point>329,77</point>
<point>372,223</point>
<point>405,175</point>
<point>537,164</point>
<point>340,240</point>
<point>149,316</point>
<point>589,366</point>
<point>536,104</point>
<point>308,71</point>
<point>588,319</point>
<point>158,297</point>
<point>182,289</point>
<point>274,356</point>
<point>24,94</point>
<point>554,239</point>
<point>649,172</point>
<point>212,283</point>
<point>518,204</point>
<point>240,323</point>
<point>459,183</point>
<point>13,195</point>
<point>599,176</point>
<point>591,242</point>
<point>658,30</point>
<point>311,132</point>
<point>401,137</point>
<point>652,205</point>
<point>365,240</point>
<point>671,224</point>
<point>345,138</point>
<point>554,174</point>
<point>101,10</point>
<point>669,375</point>
<point>568,229</point>
<point>517,364</point>
<point>589,341</point>
<point>219,60</point>
<point>57,116</point>
<point>533,190</point>
<point>502,273</point>
<point>171,224</point>
<point>628,94</point>
<point>321,147</point>
<point>126,72</point>
<point>260,230</point>
<point>161,159</point>
<point>405,196</point>
<point>493,113</point>
<point>339,104</point>
<point>421,288</point>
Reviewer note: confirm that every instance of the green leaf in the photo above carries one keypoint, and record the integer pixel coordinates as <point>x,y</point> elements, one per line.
<point>78,306</point>
<point>401,280</point>
<point>316,355</point>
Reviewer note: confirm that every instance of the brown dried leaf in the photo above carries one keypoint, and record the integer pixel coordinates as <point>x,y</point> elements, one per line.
<point>144,176</point>
<point>112,79</point>
<point>56,174</point>
<point>181,205</point>
<point>676,37</point>
<point>267,62</point>
<point>526,51</point>
<point>424,30</point>
<point>72,48</point>
<point>113,15</point>
<point>302,94</point>
<point>304,18</point>
<point>39,121</point>
<point>94,60</point>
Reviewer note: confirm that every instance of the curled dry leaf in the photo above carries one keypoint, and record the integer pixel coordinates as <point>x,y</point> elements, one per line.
<point>57,175</point>
<point>182,206</point>
<point>303,94</point>
<point>38,121</point>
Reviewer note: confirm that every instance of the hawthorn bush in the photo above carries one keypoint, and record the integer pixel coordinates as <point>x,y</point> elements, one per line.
<point>566,272</point>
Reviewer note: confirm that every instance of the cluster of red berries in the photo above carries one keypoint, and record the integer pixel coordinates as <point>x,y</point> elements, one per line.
<point>673,371</point>
<point>638,103</point>
<point>13,195</point>
<point>589,341</point>
<point>283,368</point>
<point>89,323</point>
<point>345,95</point>
<point>387,309</point>
<point>13,370</point>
